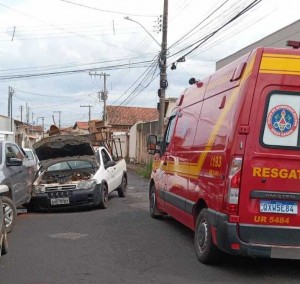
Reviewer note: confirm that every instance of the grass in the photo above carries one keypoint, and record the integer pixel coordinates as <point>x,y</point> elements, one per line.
<point>145,170</point>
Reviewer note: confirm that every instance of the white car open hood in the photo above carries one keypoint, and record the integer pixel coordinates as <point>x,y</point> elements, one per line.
<point>59,148</point>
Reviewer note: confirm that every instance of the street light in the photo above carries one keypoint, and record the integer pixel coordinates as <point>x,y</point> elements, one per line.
<point>127,18</point>
<point>163,67</point>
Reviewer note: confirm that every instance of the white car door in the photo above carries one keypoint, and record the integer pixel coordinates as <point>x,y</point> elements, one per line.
<point>111,171</point>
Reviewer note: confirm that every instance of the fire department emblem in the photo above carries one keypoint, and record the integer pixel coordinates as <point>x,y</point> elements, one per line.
<point>282,120</point>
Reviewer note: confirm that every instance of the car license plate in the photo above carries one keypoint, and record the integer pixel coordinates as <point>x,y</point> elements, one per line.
<point>283,207</point>
<point>60,201</point>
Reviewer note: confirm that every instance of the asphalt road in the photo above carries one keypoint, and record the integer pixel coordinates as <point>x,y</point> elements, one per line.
<point>122,244</point>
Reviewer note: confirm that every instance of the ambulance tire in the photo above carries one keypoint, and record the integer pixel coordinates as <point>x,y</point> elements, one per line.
<point>154,211</point>
<point>206,251</point>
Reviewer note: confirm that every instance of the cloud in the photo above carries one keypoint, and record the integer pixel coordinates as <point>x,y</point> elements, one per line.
<point>52,34</point>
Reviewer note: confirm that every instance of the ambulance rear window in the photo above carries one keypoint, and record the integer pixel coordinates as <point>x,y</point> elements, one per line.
<point>281,121</point>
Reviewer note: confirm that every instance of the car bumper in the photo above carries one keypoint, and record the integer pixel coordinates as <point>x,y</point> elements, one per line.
<point>66,199</point>
<point>227,239</point>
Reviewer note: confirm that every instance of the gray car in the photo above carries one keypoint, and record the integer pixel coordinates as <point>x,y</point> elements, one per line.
<point>3,233</point>
<point>32,157</point>
<point>17,172</point>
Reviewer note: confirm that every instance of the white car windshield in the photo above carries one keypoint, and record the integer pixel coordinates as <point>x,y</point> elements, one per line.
<point>70,165</point>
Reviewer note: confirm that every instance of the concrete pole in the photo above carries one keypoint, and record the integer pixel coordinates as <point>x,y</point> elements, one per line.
<point>163,72</point>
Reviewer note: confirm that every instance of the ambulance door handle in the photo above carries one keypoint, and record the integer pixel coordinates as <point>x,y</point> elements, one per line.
<point>165,162</point>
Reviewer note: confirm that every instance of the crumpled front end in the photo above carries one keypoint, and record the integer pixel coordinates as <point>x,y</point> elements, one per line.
<point>65,189</point>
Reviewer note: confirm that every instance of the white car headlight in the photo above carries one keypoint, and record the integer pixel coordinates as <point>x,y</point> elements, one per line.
<point>39,189</point>
<point>87,184</point>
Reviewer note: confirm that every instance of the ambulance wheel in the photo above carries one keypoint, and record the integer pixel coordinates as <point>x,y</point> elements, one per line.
<point>154,211</point>
<point>206,251</point>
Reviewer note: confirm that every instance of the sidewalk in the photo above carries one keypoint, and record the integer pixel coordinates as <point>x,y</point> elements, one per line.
<point>133,167</point>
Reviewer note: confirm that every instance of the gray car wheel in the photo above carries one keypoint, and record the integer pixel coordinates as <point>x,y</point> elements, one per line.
<point>4,246</point>
<point>10,213</point>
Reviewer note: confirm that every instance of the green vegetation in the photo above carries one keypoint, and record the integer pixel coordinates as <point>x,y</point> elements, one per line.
<point>145,170</point>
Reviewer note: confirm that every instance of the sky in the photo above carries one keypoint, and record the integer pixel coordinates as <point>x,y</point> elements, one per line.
<point>53,53</point>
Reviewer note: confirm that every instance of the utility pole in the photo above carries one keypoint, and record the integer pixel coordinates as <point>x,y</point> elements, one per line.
<point>103,93</point>
<point>89,106</point>
<point>21,110</point>
<point>9,100</point>
<point>59,112</point>
<point>27,113</point>
<point>163,72</point>
<point>10,94</point>
<point>42,117</point>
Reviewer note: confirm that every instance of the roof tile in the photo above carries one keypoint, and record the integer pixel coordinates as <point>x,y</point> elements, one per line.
<point>118,115</point>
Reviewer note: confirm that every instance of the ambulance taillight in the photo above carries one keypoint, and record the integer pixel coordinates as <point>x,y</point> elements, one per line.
<point>233,191</point>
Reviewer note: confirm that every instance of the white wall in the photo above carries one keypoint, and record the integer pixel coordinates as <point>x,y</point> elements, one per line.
<point>5,129</point>
<point>132,143</point>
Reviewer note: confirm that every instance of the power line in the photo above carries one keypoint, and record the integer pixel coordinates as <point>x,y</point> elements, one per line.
<point>140,64</point>
<point>219,17</point>
<point>207,37</point>
<point>106,11</point>
<point>147,70</point>
<point>184,36</point>
<point>131,96</point>
<point>139,54</point>
<point>37,19</point>
<point>54,67</point>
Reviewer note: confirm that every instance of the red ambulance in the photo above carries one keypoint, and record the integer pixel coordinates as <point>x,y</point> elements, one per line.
<point>228,166</point>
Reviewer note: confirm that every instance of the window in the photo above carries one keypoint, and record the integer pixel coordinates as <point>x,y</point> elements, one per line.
<point>281,120</point>
<point>105,157</point>
<point>168,133</point>
<point>70,165</point>
<point>12,151</point>
<point>9,153</point>
<point>18,152</point>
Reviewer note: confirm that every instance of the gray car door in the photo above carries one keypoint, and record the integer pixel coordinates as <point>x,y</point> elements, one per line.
<point>19,176</point>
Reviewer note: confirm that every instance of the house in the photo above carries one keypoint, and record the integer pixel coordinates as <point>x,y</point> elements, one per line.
<point>26,134</point>
<point>119,121</point>
<point>121,118</point>
<point>81,127</point>
<point>7,128</point>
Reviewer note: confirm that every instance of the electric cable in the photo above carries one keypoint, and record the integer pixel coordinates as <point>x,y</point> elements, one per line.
<point>207,37</point>
<point>107,11</point>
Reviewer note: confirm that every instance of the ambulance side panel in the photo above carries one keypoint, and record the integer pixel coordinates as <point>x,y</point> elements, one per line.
<point>195,163</point>
<point>270,193</point>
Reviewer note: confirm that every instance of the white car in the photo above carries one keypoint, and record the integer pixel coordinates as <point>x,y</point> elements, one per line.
<point>72,174</point>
